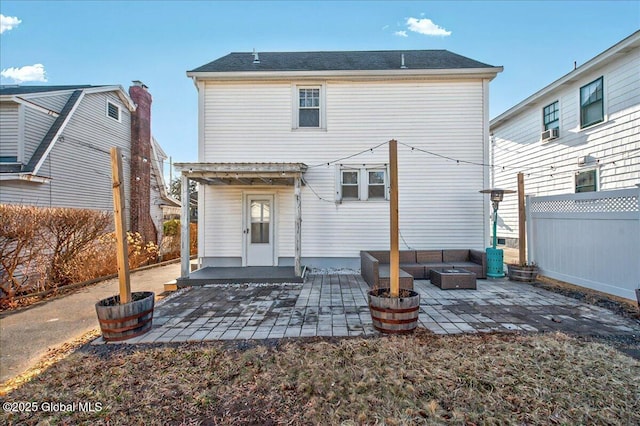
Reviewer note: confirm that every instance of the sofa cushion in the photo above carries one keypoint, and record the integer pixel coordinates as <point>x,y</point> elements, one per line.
<point>429,256</point>
<point>381,255</point>
<point>455,255</point>
<point>407,256</point>
<point>415,269</point>
<point>406,279</point>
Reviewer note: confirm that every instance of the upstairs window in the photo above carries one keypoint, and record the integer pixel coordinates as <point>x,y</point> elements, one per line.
<point>113,111</point>
<point>309,107</point>
<point>586,181</point>
<point>551,116</point>
<point>592,103</point>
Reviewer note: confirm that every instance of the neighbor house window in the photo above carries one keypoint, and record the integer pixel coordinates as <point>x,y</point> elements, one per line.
<point>8,159</point>
<point>362,183</point>
<point>591,103</point>
<point>113,111</point>
<point>551,116</point>
<point>586,181</point>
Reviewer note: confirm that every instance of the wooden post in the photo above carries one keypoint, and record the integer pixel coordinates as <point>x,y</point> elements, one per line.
<point>522,231</point>
<point>394,254</point>
<point>121,234</point>
<point>185,220</point>
<point>298,240</point>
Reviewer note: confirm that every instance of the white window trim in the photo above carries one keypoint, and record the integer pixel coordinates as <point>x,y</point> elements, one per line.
<point>605,104</point>
<point>295,102</point>
<point>119,120</point>
<point>363,181</point>
<point>586,169</point>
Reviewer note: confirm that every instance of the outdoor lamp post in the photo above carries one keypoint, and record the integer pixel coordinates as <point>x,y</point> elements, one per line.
<point>495,257</point>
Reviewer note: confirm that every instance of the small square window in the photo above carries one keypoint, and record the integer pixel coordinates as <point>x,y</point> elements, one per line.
<point>551,116</point>
<point>592,103</point>
<point>113,111</point>
<point>350,187</point>
<point>586,181</point>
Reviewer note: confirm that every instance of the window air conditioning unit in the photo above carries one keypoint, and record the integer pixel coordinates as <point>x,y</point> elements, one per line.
<point>550,134</point>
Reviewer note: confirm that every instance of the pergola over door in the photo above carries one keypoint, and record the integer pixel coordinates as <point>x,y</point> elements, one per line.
<point>241,174</point>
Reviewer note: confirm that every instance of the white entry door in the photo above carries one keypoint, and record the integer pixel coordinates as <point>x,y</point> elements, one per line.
<point>259,230</point>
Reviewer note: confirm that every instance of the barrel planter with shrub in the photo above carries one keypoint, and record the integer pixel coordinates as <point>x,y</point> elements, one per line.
<point>394,315</point>
<point>127,320</point>
<point>523,273</point>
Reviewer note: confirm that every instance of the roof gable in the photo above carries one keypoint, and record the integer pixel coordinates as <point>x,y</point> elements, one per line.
<point>378,60</point>
<point>28,90</point>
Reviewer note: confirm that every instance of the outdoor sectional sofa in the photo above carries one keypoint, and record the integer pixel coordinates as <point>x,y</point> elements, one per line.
<point>418,264</point>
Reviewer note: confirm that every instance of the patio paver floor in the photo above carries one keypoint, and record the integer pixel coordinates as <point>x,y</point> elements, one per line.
<point>336,305</point>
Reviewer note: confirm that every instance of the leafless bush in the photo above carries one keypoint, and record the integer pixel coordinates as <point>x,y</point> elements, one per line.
<point>69,232</point>
<point>20,248</point>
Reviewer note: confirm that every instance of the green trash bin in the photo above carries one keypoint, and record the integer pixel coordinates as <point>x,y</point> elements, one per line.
<point>495,263</point>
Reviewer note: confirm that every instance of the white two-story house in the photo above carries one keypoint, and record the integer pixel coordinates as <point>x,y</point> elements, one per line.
<point>579,133</point>
<point>293,155</point>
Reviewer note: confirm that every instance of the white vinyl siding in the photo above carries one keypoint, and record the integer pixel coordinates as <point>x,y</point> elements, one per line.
<point>79,165</point>
<point>9,113</point>
<point>440,205</point>
<point>612,147</point>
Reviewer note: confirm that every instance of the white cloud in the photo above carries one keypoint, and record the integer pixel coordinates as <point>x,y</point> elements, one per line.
<point>427,27</point>
<point>8,23</point>
<point>27,73</point>
<point>385,27</point>
<point>400,34</point>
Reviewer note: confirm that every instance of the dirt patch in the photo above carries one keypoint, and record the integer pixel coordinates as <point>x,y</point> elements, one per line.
<point>618,305</point>
<point>422,378</point>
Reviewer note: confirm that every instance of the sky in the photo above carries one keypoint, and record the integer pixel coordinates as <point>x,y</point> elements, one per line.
<point>115,42</point>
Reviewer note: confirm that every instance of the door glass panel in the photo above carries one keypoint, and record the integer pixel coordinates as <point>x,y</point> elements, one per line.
<point>260,218</point>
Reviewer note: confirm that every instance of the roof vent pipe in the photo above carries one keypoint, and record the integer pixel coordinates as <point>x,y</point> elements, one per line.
<point>256,58</point>
<point>402,65</point>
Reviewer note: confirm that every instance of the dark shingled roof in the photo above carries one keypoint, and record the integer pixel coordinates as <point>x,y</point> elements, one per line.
<point>25,90</point>
<point>341,61</point>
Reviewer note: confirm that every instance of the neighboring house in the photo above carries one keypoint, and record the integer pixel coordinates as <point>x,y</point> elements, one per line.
<point>279,181</point>
<point>580,133</point>
<point>163,206</point>
<point>55,146</point>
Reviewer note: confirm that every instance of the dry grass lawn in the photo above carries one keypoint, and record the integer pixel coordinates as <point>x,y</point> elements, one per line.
<point>425,379</point>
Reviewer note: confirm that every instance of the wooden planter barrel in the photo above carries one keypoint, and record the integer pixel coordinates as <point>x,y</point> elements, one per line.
<point>394,315</point>
<point>124,321</point>
<point>526,274</point>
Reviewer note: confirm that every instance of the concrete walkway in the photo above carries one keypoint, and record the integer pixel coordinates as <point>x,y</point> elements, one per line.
<point>336,305</point>
<point>26,335</point>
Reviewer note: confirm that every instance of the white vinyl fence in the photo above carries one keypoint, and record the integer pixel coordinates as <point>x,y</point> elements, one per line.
<point>590,239</point>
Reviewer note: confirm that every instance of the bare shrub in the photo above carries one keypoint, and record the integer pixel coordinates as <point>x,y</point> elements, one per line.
<point>20,249</point>
<point>69,232</point>
<point>140,253</point>
<point>170,246</point>
<point>193,232</point>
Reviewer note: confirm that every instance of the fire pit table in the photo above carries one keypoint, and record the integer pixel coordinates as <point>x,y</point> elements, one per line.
<point>449,279</point>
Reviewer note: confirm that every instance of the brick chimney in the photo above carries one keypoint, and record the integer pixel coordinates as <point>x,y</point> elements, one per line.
<point>141,163</point>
